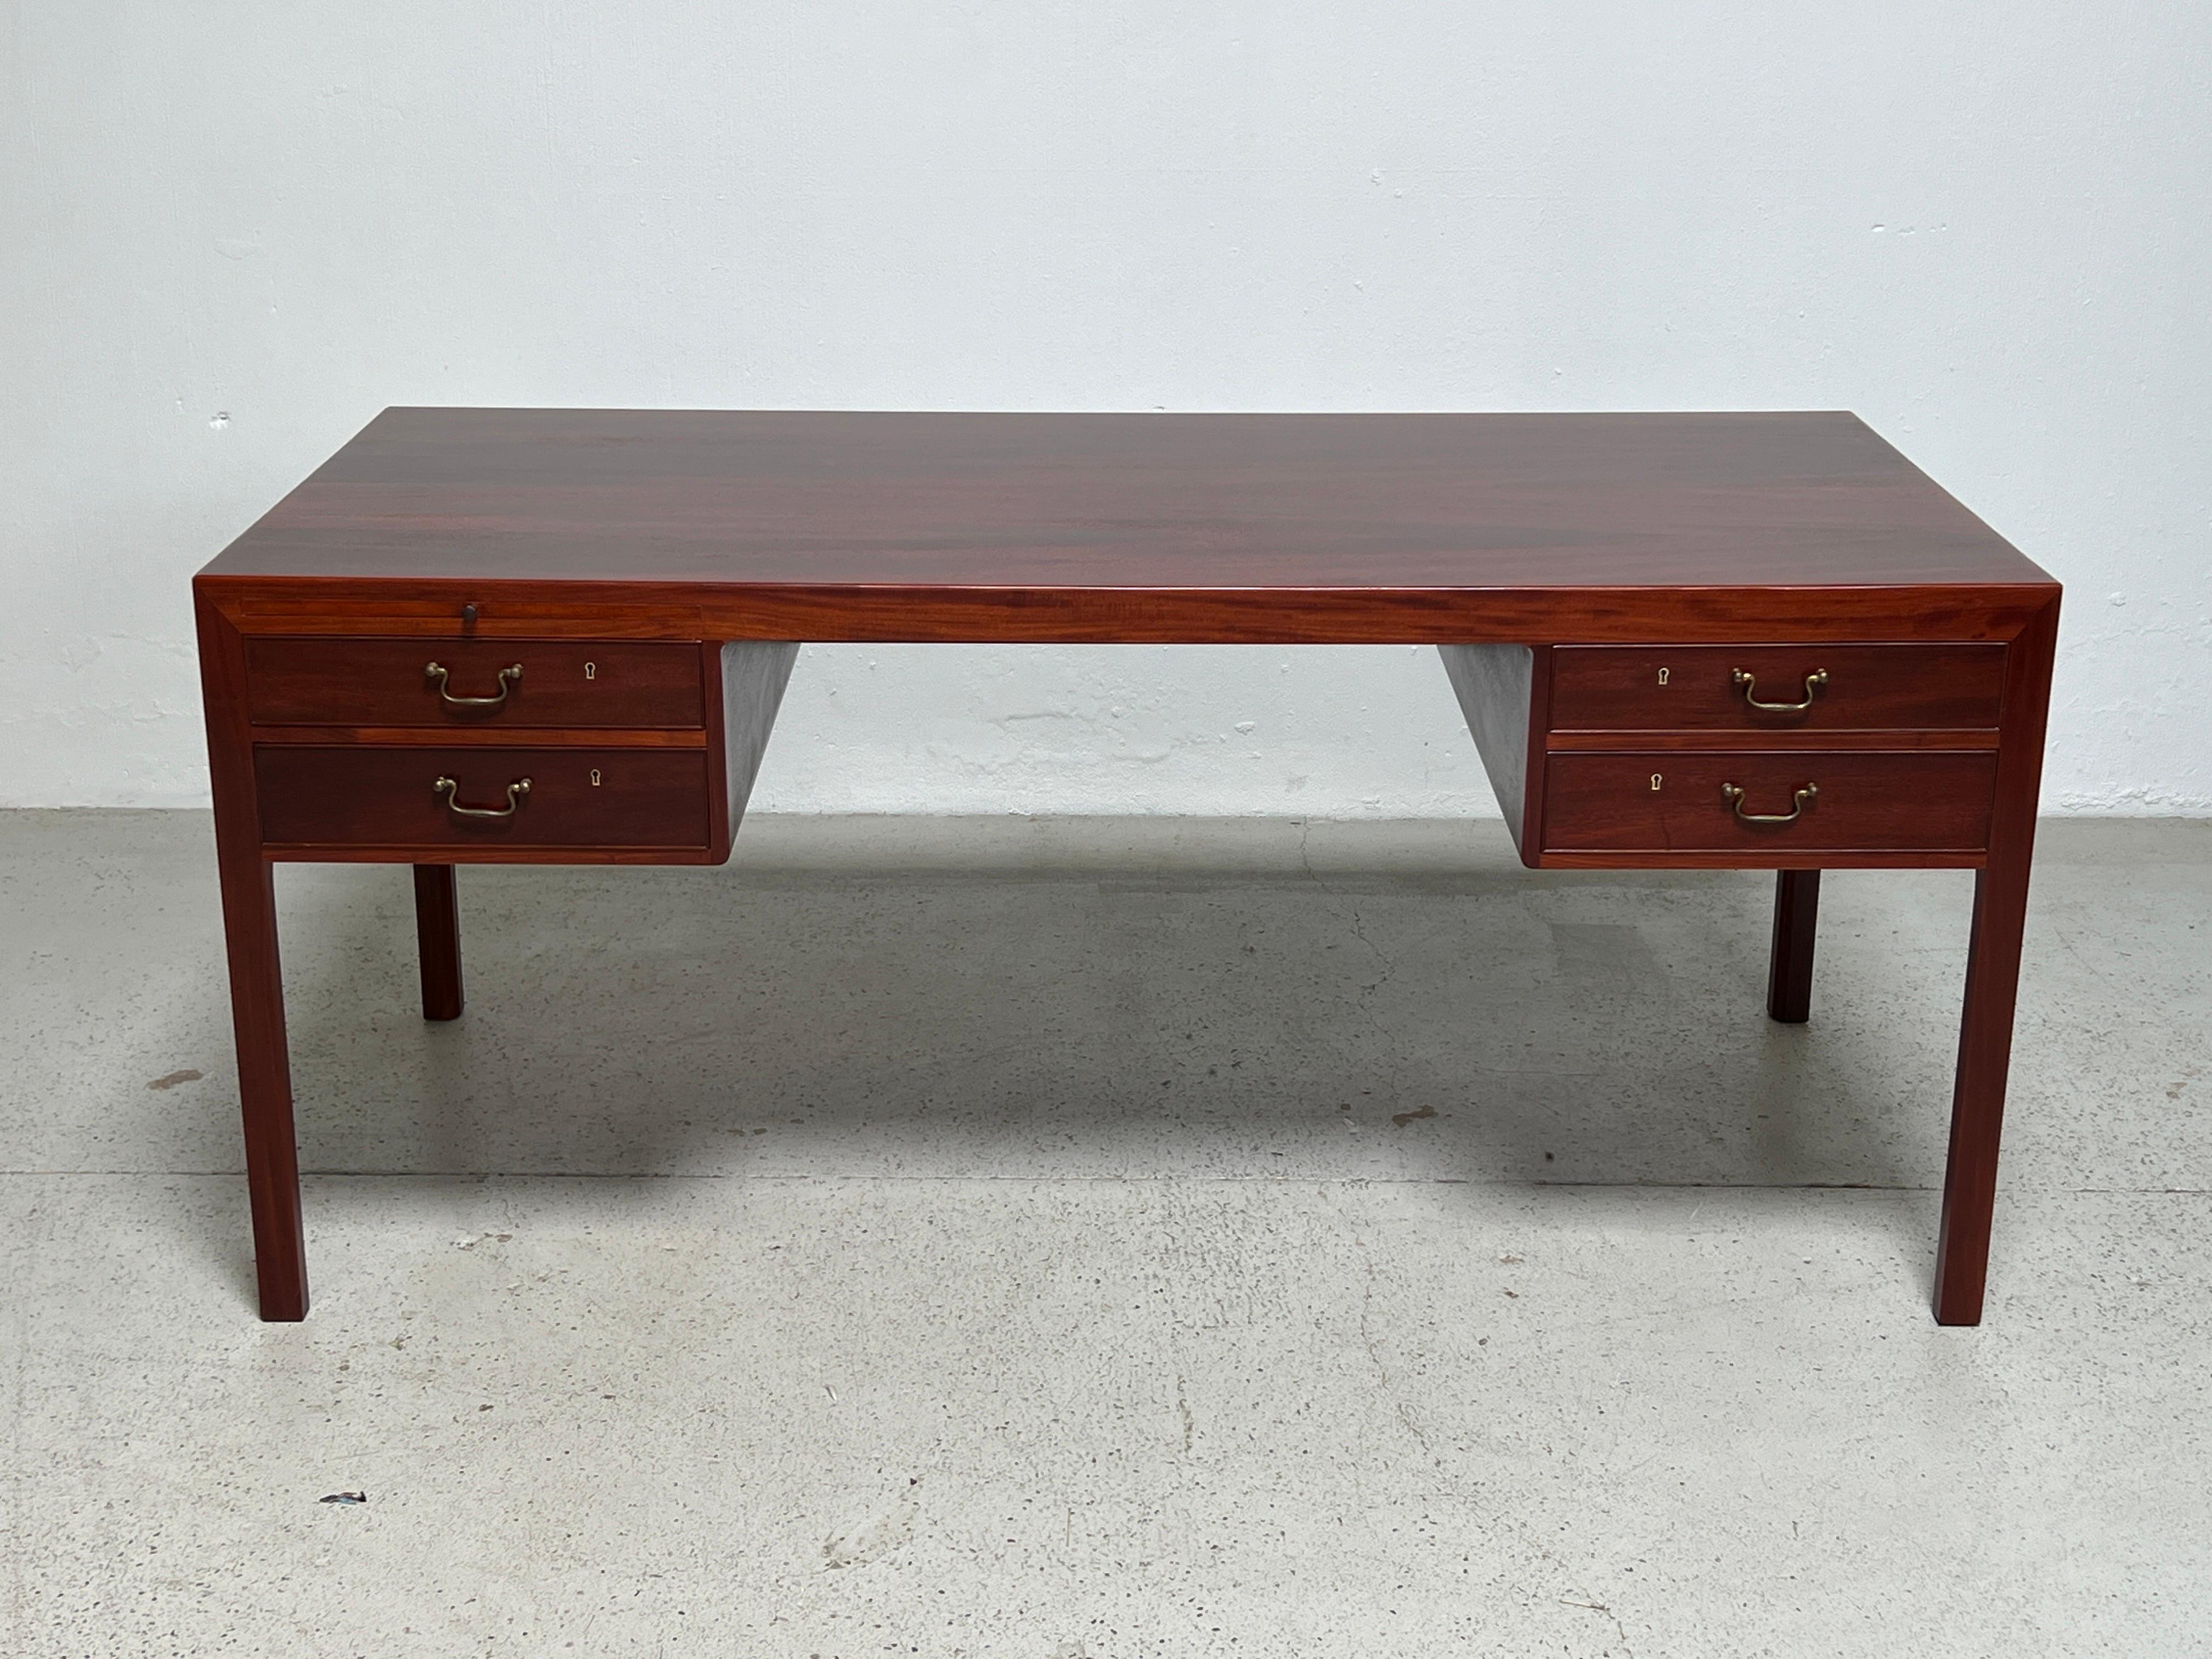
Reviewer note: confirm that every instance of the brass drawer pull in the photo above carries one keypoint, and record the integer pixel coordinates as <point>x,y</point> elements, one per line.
<point>515,792</point>
<point>1749,684</point>
<point>1798,802</point>
<point>507,675</point>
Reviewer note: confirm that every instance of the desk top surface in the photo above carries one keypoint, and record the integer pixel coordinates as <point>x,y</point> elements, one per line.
<point>1110,503</point>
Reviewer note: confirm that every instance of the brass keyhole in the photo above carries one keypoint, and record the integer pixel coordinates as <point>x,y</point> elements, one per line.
<point>1662,680</point>
<point>1655,779</point>
<point>595,778</point>
<point>591,670</point>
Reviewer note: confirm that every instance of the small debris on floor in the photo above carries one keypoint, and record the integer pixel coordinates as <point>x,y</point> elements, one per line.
<point>344,1498</point>
<point>170,1080</point>
<point>1402,1119</point>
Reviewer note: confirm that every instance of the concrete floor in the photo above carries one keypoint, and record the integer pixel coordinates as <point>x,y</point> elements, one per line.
<point>1103,1239</point>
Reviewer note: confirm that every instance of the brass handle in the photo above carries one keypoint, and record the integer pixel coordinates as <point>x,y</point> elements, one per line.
<point>1749,684</point>
<point>515,792</point>
<point>1798,802</point>
<point>507,675</point>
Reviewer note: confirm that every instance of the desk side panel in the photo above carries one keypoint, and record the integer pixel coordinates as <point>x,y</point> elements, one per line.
<point>754,675</point>
<point>1496,686</point>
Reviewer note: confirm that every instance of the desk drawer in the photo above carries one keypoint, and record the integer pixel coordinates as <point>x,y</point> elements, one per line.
<point>1844,802</point>
<point>1631,688</point>
<point>421,682</point>
<point>377,797</point>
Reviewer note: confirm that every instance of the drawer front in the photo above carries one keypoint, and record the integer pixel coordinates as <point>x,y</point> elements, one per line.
<point>564,683</point>
<point>368,796</point>
<point>1631,688</point>
<point>1856,800</point>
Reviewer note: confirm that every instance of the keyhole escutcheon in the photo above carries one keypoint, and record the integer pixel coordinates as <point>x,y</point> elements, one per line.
<point>1662,676</point>
<point>591,670</point>
<point>1655,779</point>
<point>595,778</point>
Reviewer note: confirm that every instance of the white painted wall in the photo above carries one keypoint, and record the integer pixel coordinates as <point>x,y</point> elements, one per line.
<point>230,233</point>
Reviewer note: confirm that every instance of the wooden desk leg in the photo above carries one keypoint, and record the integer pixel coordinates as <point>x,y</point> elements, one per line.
<point>437,940</point>
<point>265,1086</point>
<point>1789,976</point>
<point>257,981</point>
<point>1969,1180</point>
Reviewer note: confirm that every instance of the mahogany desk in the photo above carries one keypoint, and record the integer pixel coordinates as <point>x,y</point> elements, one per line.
<point>1682,641</point>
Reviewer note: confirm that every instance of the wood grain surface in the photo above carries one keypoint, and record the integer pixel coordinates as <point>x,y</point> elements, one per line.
<point>1148,527</point>
<point>565,683</point>
<point>1671,801</point>
<point>380,797</point>
<point>1621,688</point>
<point>711,541</point>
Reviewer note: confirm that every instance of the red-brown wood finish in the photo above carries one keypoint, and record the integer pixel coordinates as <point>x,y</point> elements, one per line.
<point>1933,688</point>
<point>1710,739</point>
<point>1529,816</point>
<point>1969,1180</point>
<point>437,940</point>
<point>1108,504</point>
<point>1790,541</point>
<point>564,683</point>
<point>1134,616</point>
<point>1270,529</point>
<point>257,979</point>
<point>492,736</point>
<point>1668,801</point>
<point>577,798</point>
<point>1789,971</point>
